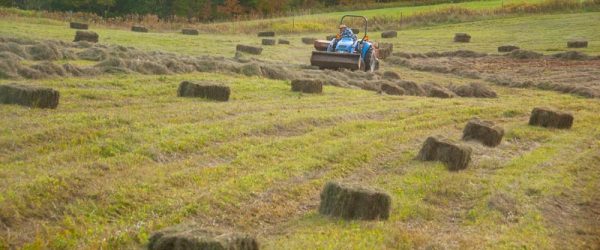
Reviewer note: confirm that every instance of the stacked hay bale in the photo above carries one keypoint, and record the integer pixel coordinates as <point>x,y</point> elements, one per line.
<point>88,36</point>
<point>31,96</point>
<point>353,202</point>
<point>211,91</point>
<point>551,118</point>
<point>437,148</point>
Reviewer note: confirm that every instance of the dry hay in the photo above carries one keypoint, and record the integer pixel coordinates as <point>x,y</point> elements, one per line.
<point>192,237</point>
<point>577,44</point>
<point>483,131</point>
<point>308,40</point>
<point>550,118</point>
<point>79,26</point>
<point>49,69</point>
<point>391,89</point>
<point>525,54</point>
<point>44,51</point>
<point>88,36</point>
<point>411,88</point>
<point>462,38</point>
<point>435,90</point>
<point>191,32</point>
<point>455,156</point>
<point>307,86</point>
<point>269,41</point>
<point>475,89</point>
<point>389,34</point>
<point>391,75</point>
<point>321,45</point>
<point>249,49</point>
<point>353,202</point>
<point>251,69</point>
<point>137,28</point>
<point>384,50</point>
<point>31,96</point>
<point>283,41</point>
<point>93,54</point>
<point>217,92</point>
<point>571,55</point>
<point>507,48</point>
<point>266,33</point>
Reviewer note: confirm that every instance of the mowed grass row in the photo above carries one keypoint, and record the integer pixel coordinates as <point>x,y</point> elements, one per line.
<point>122,156</point>
<point>543,33</point>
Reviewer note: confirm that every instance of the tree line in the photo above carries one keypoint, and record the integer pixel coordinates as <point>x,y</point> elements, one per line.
<point>193,10</point>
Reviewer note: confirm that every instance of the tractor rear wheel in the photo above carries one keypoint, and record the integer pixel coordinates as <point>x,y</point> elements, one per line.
<point>370,61</point>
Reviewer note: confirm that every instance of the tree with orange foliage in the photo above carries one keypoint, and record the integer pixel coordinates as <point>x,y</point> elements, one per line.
<point>230,8</point>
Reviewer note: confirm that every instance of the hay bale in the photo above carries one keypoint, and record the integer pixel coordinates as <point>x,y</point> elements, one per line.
<point>384,50</point>
<point>192,237</point>
<point>454,156</point>
<point>550,118</point>
<point>462,38</point>
<point>571,55</point>
<point>249,49</point>
<point>137,28</point>
<point>524,54</point>
<point>321,45</point>
<point>352,202</point>
<point>331,37</point>
<point>507,48</point>
<point>266,34</point>
<point>251,69</point>
<point>391,89</point>
<point>307,86</point>
<point>474,89</point>
<point>88,36</point>
<point>389,34</point>
<point>79,26</point>
<point>283,41</point>
<point>31,96</point>
<point>577,44</point>
<point>308,40</point>
<point>391,75</point>
<point>191,32</point>
<point>483,131</point>
<point>269,41</point>
<point>211,91</point>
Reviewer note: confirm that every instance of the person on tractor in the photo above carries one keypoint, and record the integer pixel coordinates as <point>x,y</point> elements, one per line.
<point>344,32</point>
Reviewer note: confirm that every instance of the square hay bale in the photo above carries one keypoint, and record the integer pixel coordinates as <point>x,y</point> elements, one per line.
<point>191,32</point>
<point>550,118</point>
<point>137,28</point>
<point>384,50</point>
<point>211,91</point>
<point>284,41</point>
<point>78,26</point>
<point>353,202</point>
<point>308,40</point>
<point>27,95</point>
<point>462,38</point>
<point>307,86</point>
<point>266,34</point>
<point>249,49</point>
<point>507,48</point>
<point>391,89</point>
<point>437,148</point>
<point>192,237</point>
<point>88,36</point>
<point>389,34</point>
<point>269,41</point>
<point>321,45</point>
<point>483,131</point>
<point>577,44</point>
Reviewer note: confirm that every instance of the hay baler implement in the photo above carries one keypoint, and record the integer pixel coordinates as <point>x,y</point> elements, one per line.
<point>347,53</point>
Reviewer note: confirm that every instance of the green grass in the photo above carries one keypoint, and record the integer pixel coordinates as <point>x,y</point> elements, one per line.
<point>122,156</point>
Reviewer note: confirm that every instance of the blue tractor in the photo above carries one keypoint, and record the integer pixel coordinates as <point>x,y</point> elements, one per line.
<point>346,51</point>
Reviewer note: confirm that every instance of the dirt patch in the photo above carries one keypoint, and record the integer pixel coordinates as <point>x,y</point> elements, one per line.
<point>307,86</point>
<point>184,237</point>
<point>27,95</point>
<point>88,36</point>
<point>550,118</point>
<point>350,202</point>
<point>217,92</point>
<point>462,38</point>
<point>456,157</point>
<point>483,131</point>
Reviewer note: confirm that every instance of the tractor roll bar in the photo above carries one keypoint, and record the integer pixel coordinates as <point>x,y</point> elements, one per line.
<point>363,17</point>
